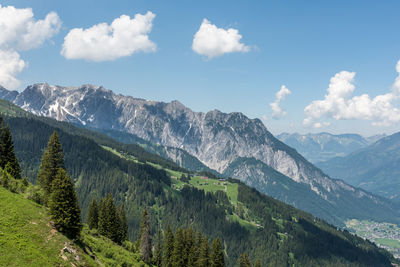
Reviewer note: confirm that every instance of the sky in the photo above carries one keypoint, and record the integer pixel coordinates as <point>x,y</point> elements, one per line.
<point>299,66</point>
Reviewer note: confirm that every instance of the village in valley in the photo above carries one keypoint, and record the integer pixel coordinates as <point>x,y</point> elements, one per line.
<point>384,235</point>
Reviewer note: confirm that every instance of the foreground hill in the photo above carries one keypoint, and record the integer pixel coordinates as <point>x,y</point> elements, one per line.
<point>27,238</point>
<point>375,168</point>
<point>246,220</point>
<point>222,142</point>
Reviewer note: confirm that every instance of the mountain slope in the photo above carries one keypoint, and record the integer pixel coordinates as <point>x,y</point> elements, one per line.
<point>215,138</point>
<point>375,168</point>
<point>244,219</point>
<point>324,146</point>
<point>28,239</point>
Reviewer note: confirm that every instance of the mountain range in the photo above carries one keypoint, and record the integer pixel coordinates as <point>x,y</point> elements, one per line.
<point>317,147</point>
<point>375,168</point>
<point>230,144</point>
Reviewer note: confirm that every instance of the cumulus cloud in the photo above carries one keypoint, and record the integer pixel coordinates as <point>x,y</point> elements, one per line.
<point>104,42</point>
<point>10,66</point>
<point>277,111</point>
<point>339,105</point>
<point>211,41</point>
<point>20,31</point>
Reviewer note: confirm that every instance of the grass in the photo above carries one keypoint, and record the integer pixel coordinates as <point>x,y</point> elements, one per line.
<point>388,242</point>
<point>108,253</point>
<point>26,236</point>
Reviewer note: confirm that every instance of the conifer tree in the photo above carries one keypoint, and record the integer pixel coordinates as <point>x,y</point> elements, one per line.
<point>145,238</point>
<point>189,247</point>
<point>7,153</point>
<point>123,224</point>
<point>178,252</point>
<point>203,260</point>
<point>63,204</point>
<point>102,217</point>
<point>257,263</point>
<point>52,160</point>
<point>216,254</point>
<point>244,260</point>
<point>157,257</point>
<point>168,247</point>
<point>93,215</point>
<point>109,222</point>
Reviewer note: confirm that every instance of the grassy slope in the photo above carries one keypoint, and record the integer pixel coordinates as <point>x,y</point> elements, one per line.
<point>28,239</point>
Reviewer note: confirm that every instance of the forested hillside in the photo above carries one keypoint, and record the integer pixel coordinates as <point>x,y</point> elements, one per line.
<point>244,219</point>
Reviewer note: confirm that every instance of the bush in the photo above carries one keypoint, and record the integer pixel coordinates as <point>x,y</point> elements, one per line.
<point>36,195</point>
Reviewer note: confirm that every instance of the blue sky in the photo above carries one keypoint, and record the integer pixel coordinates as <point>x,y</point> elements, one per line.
<point>299,44</point>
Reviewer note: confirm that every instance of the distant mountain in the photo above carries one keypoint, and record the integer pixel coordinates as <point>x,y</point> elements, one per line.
<point>324,146</point>
<point>375,168</point>
<point>218,140</point>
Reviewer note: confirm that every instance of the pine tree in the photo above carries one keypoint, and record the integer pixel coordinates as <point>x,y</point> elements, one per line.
<point>109,222</point>
<point>157,257</point>
<point>7,153</point>
<point>145,238</point>
<point>257,263</point>
<point>63,204</point>
<point>244,260</point>
<point>93,215</point>
<point>168,247</point>
<point>189,247</point>
<point>52,160</point>
<point>123,224</point>
<point>216,254</point>
<point>203,260</point>
<point>177,253</point>
<point>102,217</point>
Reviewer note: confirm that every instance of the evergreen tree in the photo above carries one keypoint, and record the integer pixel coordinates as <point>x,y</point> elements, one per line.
<point>178,252</point>
<point>157,257</point>
<point>257,263</point>
<point>244,260</point>
<point>123,224</point>
<point>7,153</point>
<point>145,238</point>
<point>203,260</point>
<point>93,215</point>
<point>52,160</point>
<point>189,247</point>
<point>109,222</point>
<point>64,208</point>
<point>216,254</point>
<point>168,247</point>
<point>102,217</point>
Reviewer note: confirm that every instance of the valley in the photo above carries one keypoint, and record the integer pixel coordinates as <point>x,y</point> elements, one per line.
<point>385,235</point>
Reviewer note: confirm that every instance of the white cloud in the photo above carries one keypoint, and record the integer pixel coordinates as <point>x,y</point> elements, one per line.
<point>10,66</point>
<point>277,111</point>
<point>103,42</point>
<point>212,42</point>
<point>339,105</point>
<point>20,31</point>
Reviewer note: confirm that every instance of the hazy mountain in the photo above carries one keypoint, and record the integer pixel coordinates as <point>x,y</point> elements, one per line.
<point>324,146</point>
<point>220,141</point>
<point>375,168</point>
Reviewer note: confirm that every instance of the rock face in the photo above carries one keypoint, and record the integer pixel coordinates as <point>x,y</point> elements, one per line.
<point>217,139</point>
<point>324,146</point>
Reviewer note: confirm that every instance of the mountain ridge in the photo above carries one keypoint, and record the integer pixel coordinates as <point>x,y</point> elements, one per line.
<point>215,138</point>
